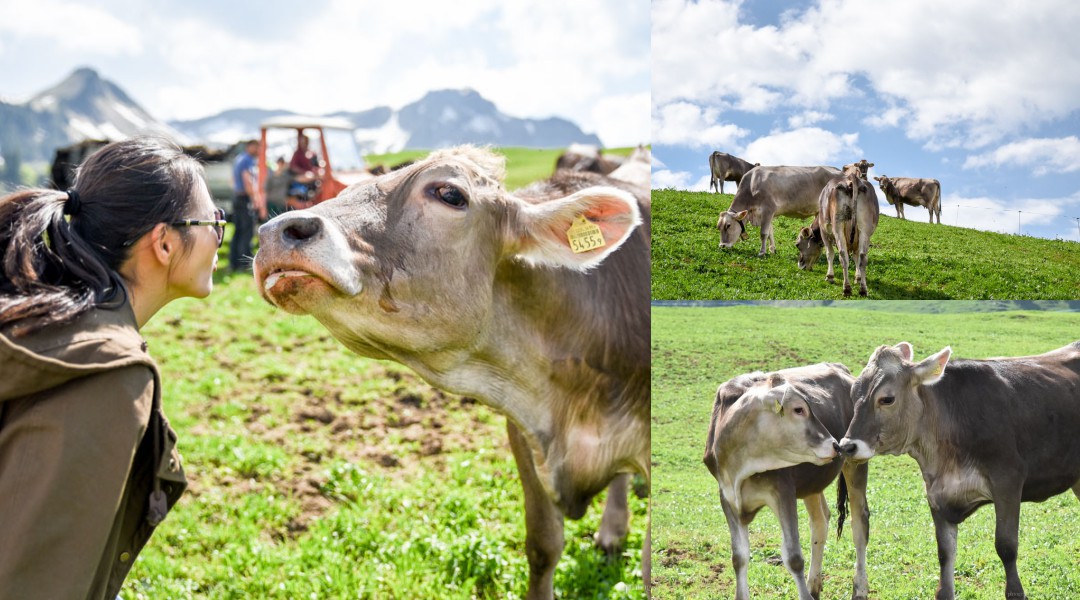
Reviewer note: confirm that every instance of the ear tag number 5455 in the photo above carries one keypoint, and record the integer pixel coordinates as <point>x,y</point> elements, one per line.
<point>584,236</point>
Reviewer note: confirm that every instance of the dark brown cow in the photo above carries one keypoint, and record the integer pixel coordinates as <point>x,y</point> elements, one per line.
<point>725,167</point>
<point>536,303</point>
<point>913,192</point>
<point>771,442</point>
<point>1001,431</point>
<point>847,217</point>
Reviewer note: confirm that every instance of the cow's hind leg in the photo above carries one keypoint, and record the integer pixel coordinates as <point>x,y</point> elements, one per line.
<point>842,242</point>
<point>543,522</point>
<point>616,520</point>
<point>818,511</point>
<point>830,276</point>
<point>1076,490</point>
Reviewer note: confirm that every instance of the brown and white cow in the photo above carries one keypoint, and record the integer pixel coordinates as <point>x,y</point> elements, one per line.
<point>847,217</point>
<point>913,192</point>
<point>536,303</point>
<point>637,169</point>
<point>767,192</point>
<point>1001,431</point>
<point>725,167</point>
<point>772,441</point>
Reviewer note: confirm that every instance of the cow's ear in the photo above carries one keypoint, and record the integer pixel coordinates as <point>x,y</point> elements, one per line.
<point>906,350</point>
<point>773,400</point>
<point>740,215</point>
<point>575,232</point>
<point>932,368</point>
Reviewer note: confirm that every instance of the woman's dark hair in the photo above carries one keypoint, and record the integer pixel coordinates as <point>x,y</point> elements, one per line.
<point>61,251</point>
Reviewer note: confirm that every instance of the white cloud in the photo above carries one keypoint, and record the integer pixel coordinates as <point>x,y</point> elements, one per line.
<point>71,26</point>
<point>618,119</point>
<point>1047,155</point>
<point>810,117</point>
<point>957,86</point>
<point>805,146</point>
<point>691,125</point>
<point>1004,216</point>
<point>663,179</point>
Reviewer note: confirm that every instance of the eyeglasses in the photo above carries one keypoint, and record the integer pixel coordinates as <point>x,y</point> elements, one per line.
<point>218,224</point>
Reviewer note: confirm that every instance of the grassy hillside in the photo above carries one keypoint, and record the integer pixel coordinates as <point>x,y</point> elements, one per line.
<point>696,349</point>
<point>319,474</point>
<point>523,165</point>
<point>908,260</point>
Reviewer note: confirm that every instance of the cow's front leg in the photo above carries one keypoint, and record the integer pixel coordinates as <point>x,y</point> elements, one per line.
<point>818,511</point>
<point>740,549</point>
<point>788,514</point>
<point>766,234</point>
<point>1006,537</point>
<point>615,523</point>
<point>543,522</point>
<point>946,549</point>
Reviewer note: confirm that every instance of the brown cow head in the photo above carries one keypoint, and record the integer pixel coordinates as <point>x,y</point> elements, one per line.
<point>888,407</point>
<point>405,265</point>
<point>732,228</point>
<point>810,244</point>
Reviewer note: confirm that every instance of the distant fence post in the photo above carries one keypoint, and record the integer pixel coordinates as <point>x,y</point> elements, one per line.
<point>1018,221</point>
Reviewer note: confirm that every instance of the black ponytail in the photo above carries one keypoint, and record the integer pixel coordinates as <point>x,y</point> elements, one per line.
<point>62,250</point>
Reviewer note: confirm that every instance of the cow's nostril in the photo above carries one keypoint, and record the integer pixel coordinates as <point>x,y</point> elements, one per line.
<point>301,229</point>
<point>836,447</point>
<point>848,449</point>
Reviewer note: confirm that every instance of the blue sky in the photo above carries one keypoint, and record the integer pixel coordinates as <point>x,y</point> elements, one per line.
<point>585,61</point>
<point>983,97</point>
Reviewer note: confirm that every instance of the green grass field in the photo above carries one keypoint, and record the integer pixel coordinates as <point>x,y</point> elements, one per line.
<point>319,474</point>
<point>907,260</point>
<point>523,165</point>
<point>696,349</point>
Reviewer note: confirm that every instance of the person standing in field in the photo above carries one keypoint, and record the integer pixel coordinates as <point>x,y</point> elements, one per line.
<point>88,465</point>
<point>247,200</point>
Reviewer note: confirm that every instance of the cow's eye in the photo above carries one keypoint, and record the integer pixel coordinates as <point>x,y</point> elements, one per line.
<point>800,411</point>
<point>450,195</point>
<point>886,400</point>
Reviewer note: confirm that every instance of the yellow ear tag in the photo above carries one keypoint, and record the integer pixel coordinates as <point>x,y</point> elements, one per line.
<point>584,236</point>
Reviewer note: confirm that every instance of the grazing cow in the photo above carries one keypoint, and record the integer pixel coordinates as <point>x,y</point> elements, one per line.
<point>913,192</point>
<point>587,158</point>
<point>771,441</point>
<point>770,192</point>
<point>863,166</point>
<point>847,217</point>
<point>536,303</point>
<point>1001,431</point>
<point>725,167</point>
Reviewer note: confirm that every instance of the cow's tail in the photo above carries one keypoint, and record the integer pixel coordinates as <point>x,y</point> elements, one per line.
<point>841,504</point>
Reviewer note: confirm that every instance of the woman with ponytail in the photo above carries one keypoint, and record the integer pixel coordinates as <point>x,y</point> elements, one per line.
<point>88,466</point>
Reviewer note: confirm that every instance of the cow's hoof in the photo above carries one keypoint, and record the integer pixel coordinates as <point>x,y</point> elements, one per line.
<point>847,291</point>
<point>863,293</point>
<point>830,278</point>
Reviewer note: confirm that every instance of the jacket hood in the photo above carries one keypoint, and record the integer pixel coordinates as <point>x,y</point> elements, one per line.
<point>98,340</point>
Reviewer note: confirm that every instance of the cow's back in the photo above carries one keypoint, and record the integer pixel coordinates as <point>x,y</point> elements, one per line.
<point>787,191</point>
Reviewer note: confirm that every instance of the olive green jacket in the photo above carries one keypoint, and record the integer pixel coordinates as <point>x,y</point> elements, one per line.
<point>88,465</point>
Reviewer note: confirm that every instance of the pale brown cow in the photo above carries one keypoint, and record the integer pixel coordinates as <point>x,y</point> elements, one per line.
<point>913,192</point>
<point>536,303</point>
<point>847,216</point>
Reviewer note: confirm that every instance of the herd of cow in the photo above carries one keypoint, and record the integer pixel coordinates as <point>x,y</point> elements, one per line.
<point>843,203</point>
<point>1000,431</point>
